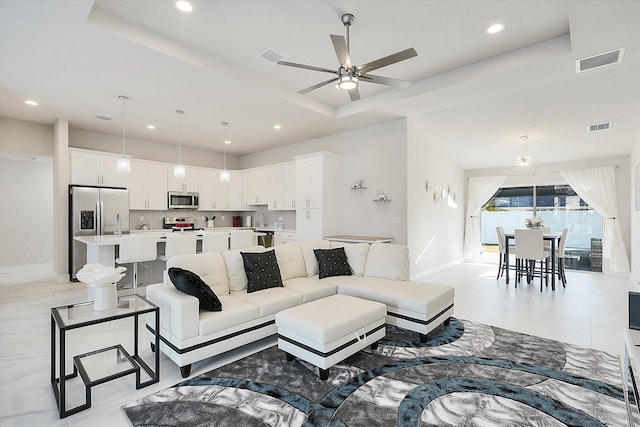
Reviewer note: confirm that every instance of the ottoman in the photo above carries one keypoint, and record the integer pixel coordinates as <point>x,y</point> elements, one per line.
<point>327,331</point>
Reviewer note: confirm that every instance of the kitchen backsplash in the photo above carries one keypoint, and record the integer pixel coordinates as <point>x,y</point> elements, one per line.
<point>155,218</point>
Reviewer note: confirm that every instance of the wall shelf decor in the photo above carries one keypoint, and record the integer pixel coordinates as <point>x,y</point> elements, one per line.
<point>358,185</point>
<point>381,197</point>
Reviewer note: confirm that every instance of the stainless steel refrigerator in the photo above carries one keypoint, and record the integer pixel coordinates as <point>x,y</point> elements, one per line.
<point>94,211</point>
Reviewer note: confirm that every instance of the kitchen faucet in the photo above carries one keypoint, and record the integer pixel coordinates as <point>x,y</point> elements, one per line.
<point>260,219</point>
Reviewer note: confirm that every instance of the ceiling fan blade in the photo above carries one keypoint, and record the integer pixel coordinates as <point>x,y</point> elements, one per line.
<point>387,60</point>
<point>306,67</point>
<point>369,78</point>
<point>319,85</point>
<point>354,94</point>
<point>340,46</point>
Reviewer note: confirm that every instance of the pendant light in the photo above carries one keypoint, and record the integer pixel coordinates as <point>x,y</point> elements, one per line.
<point>224,174</point>
<point>178,170</point>
<point>123,164</point>
<point>524,160</point>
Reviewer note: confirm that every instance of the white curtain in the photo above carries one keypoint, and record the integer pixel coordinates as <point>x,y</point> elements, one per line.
<point>597,187</point>
<point>480,190</point>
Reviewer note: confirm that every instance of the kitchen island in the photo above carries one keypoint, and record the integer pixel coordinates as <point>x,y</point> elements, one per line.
<point>102,249</point>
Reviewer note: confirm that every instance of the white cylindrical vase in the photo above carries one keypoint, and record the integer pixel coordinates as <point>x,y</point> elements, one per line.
<point>106,297</point>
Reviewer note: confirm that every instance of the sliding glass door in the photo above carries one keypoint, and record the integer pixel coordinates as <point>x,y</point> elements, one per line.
<point>559,207</point>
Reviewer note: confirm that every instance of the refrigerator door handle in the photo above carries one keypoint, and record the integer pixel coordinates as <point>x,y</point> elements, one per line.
<point>99,218</point>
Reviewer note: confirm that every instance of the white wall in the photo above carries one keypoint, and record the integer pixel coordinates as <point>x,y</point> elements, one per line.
<point>375,154</point>
<point>635,213</point>
<point>147,150</point>
<point>547,174</point>
<point>435,229</point>
<point>26,212</point>
<point>26,200</point>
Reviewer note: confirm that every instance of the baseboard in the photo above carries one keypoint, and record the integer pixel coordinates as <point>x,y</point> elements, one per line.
<point>424,274</point>
<point>27,273</point>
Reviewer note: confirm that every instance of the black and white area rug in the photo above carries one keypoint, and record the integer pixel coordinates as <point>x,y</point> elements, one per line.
<point>467,374</point>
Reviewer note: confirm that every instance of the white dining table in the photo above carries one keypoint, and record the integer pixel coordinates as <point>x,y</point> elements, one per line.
<point>102,249</point>
<point>550,237</point>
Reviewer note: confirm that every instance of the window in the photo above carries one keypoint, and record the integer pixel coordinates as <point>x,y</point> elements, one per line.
<point>559,207</point>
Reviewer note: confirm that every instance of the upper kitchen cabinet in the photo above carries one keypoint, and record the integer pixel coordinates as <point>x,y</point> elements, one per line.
<point>188,183</point>
<point>257,187</point>
<point>147,184</point>
<point>213,193</point>
<point>316,179</point>
<point>275,181</point>
<point>288,186</point>
<point>92,168</point>
<point>235,199</point>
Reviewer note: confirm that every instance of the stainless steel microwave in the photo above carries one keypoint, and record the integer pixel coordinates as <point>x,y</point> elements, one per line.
<point>183,200</point>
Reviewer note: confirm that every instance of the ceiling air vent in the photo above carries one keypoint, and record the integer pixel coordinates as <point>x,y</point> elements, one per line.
<point>599,60</point>
<point>272,55</point>
<point>103,117</point>
<point>597,127</point>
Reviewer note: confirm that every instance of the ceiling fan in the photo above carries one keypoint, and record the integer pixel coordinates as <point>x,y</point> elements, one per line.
<point>348,75</point>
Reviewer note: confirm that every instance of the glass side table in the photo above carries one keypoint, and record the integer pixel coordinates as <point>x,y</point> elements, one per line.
<point>100,366</point>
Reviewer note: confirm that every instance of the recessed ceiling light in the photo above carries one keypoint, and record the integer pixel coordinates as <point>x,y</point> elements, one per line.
<point>277,127</point>
<point>184,6</point>
<point>495,28</point>
<point>151,127</point>
<point>227,142</point>
<point>31,102</point>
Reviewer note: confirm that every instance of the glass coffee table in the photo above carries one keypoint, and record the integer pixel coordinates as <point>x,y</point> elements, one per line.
<point>99,366</point>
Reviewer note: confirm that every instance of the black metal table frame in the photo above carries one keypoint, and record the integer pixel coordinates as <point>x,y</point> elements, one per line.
<point>552,237</point>
<point>58,383</point>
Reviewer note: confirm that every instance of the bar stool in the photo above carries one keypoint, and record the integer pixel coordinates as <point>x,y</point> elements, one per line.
<point>502,251</point>
<point>215,242</point>
<point>240,239</point>
<point>135,249</point>
<point>179,244</point>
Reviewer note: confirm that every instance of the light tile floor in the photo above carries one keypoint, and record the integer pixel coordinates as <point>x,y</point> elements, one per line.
<point>591,312</point>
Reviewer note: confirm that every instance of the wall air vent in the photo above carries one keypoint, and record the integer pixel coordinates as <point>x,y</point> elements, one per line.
<point>272,55</point>
<point>103,117</point>
<point>597,127</point>
<point>600,60</point>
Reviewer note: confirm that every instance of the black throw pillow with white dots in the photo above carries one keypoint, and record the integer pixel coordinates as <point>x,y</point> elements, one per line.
<point>262,270</point>
<point>332,262</point>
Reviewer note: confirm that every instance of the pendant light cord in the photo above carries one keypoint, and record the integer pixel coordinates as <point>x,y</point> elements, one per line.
<point>180,113</point>
<point>124,121</point>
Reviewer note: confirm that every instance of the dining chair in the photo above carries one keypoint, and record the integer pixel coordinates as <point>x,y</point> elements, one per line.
<point>239,239</point>
<point>560,257</point>
<point>215,242</point>
<point>134,249</point>
<point>179,243</point>
<point>502,251</point>
<point>529,249</point>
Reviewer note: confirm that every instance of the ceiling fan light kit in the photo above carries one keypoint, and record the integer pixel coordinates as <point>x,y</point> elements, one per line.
<point>348,76</point>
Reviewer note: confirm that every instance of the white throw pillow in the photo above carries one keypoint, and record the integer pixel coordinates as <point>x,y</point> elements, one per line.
<point>290,261</point>
<point>209,266</point>
<point>235,267</point>
<point>387,261</point>
<point>310,260</point>
<point>356,255</point>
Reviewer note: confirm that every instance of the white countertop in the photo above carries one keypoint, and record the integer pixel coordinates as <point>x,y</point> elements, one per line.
<point>112,239</point>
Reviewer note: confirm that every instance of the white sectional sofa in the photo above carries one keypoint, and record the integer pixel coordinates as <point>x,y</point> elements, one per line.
<point>380,271</point>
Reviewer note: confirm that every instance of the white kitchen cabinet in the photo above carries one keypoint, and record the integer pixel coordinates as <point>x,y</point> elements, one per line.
<point>189,183</point>
<point>235,198</point>
<point>257,187</point>
<point>282,237</point>
<point>94,168</point>
<point>289,186</point>
<point>147,185</point>
<point>309,225</point>
<point>275,181</point>
<point>318,180</point>
<point>213,193</point>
